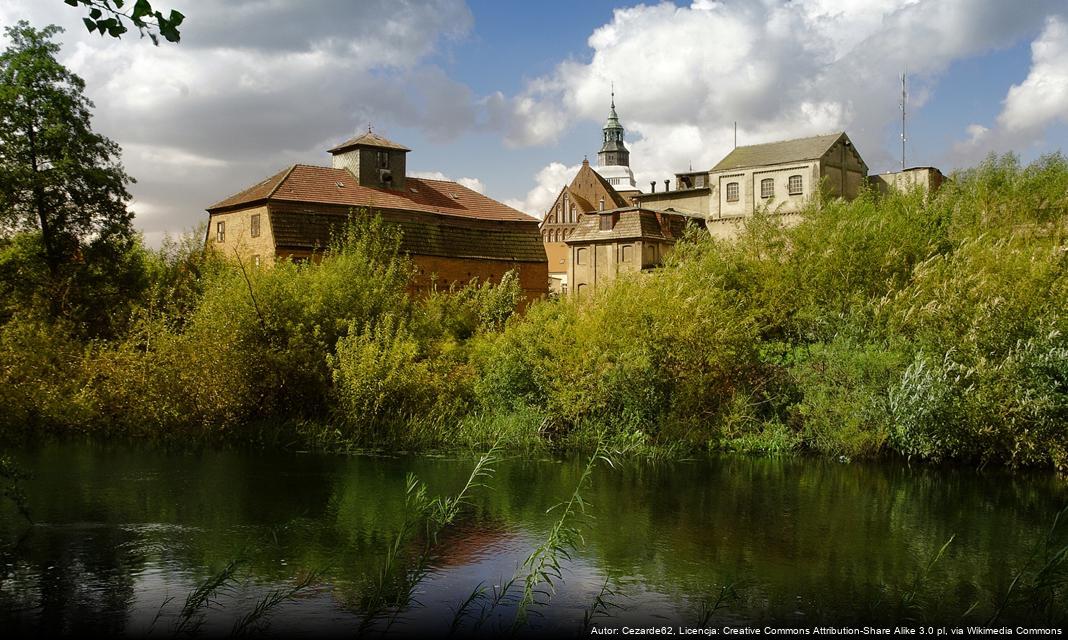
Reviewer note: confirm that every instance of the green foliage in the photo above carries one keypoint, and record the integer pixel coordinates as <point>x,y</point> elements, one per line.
<point>66,240</point>
<point>927,325</point>
<point>107,17</point>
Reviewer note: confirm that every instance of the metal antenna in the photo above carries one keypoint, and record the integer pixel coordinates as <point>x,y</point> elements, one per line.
<point>735,134</point>
<point>904,101</point>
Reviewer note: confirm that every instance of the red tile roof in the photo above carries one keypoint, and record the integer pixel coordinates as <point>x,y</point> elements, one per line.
<point>326,185</point>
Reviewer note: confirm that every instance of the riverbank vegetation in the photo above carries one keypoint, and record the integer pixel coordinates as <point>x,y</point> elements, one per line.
<point>932,326</point>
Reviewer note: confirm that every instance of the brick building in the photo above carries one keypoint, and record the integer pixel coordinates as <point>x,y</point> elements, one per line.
<point>625,240</point>
<point>451,233</point>
<point>588,192</point>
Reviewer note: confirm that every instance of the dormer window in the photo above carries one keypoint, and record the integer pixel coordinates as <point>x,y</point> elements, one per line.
<point>602,203</point>
<point>794,185</point>
<point>607,221</point>
<point>383,159</point>
<point>732,192</point>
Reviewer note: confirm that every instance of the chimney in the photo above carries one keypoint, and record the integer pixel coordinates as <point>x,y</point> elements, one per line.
<point>667,185</point>
<point>653,185</point>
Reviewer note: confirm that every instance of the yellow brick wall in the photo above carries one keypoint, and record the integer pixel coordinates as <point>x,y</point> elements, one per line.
<point>238,236</point>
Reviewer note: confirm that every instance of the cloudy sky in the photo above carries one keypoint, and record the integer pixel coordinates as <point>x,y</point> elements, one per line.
<point>509,97</point>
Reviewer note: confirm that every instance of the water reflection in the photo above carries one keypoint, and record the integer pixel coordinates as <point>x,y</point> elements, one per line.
<point>123,534</point>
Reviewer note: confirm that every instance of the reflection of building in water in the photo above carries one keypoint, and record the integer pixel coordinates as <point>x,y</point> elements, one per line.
<point>468,542</point>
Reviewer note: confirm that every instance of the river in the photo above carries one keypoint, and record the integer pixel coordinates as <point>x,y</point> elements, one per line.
<point>122,534</point>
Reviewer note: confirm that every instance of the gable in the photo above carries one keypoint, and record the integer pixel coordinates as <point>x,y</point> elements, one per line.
<point>589,187</point>
<point>759,155</point>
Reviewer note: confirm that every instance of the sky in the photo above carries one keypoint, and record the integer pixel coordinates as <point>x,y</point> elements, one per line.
<point>509,97</point>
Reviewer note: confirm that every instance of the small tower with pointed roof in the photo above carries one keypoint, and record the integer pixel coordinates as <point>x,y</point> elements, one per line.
<point>373,160</point>
<point>613,160</point>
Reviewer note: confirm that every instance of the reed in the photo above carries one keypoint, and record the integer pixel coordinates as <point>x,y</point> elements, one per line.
<point>254,620</point>
<point>394,588</point>
<point>205,595</point>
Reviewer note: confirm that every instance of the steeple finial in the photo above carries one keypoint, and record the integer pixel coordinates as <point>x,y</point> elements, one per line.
<point>368,126</point>
<point>613,94</point>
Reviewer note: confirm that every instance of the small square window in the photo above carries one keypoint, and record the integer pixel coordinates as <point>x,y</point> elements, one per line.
<point>254,225</point>
<point>255,260</point>
<point>732,192</point>
<point>220,231</point>
<point>794,185</point>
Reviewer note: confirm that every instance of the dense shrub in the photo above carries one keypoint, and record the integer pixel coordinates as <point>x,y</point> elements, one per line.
<point>930,325</point>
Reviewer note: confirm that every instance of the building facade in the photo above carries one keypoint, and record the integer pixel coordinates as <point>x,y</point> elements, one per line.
<point>587,193</point>
<point>780,177</point>
<point>927,178</point>
<point>451,233</point>
<point>612,242</point>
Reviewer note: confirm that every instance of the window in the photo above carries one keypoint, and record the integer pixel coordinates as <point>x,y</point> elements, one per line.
<point>571,216</point>
<point>767,188</point>
<point>794,185</point>
<point>732,192</point>
<point>699,182</point>
<point>606,223</point>
<point>625,253</point>
<point>580,256</point>
<point>220,232</point>
<point>383,159</point>
<point>602,203</point>
<point>255,260</point>
<point>254,226</point>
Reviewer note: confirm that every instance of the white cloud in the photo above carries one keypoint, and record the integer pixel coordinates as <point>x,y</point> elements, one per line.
<point>473,184</point>
<point>1042,98</point>
<point>549,181</point>
<point>684,75</point>
<point>1030,107</point>
<point>256,85</point>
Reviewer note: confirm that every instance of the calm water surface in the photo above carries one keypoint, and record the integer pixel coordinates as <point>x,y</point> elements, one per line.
<point>122,534</point>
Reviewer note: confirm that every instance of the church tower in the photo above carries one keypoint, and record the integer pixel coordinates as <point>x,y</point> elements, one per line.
<point>613,160</point>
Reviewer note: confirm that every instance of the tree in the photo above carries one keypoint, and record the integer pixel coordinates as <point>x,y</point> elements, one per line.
<point>63,191</point>
<point>56,174</point>
<point>108,17</point>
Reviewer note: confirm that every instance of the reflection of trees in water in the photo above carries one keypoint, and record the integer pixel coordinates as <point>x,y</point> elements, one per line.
<point>793,534</point>
<point>72,579</point>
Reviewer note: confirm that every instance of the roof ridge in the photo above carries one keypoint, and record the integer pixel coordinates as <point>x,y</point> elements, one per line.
<point>281,181</point>
<point>836,134</point>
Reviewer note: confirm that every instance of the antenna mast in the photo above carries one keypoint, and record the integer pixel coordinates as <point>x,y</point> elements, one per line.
<point>904,98</point>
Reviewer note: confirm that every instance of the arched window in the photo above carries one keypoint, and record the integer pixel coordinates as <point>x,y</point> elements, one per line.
<point>767,188</point>
<point>794,185</point>
<point>732,192</point>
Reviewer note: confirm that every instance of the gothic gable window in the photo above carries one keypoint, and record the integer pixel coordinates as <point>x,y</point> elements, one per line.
<point>794,185</point>
<point>732,192</point>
